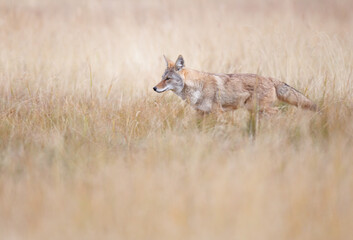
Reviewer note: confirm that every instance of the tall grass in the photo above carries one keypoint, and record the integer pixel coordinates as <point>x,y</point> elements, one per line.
<point>89,151</point>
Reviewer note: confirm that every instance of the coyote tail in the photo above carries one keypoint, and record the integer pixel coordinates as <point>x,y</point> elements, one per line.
<point>292,96</point>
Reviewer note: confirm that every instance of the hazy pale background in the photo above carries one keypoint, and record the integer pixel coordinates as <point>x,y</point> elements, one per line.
<point>89,151</point>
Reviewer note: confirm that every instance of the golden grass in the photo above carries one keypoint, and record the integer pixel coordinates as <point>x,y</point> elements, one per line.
<point>89,151</point>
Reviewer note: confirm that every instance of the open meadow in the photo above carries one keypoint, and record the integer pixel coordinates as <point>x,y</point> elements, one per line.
<point>89,151</point>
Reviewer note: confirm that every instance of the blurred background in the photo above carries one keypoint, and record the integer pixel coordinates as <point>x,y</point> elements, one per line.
<point>121,43</point>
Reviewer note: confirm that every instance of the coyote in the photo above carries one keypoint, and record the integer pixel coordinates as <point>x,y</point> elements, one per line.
<point>210,92</point>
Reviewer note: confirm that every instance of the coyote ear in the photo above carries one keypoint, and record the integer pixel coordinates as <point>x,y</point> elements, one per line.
<point>168,62</point>
<point>179,64</point>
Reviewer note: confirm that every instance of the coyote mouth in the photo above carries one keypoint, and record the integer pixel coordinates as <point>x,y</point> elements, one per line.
<point>161,90</point>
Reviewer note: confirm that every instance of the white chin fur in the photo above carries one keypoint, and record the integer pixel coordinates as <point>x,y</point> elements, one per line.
<point>162,90</point>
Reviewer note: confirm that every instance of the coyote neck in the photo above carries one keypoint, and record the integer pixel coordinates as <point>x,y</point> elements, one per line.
<point>191,92</point>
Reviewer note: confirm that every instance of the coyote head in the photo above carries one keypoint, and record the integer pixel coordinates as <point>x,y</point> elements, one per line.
<point>172,79</point>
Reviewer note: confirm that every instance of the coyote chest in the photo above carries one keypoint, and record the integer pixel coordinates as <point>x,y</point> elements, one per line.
<point>196,97</point>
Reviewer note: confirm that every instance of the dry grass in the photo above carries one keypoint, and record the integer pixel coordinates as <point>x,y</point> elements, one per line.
<point>89,151</point>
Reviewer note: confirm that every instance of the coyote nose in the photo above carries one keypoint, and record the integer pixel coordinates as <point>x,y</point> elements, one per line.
<point>155,88</point>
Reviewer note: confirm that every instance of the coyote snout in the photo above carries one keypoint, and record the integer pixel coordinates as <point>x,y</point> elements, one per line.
<point>209,92</point>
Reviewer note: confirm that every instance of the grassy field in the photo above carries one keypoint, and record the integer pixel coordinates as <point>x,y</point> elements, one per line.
<point>89,151</point>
